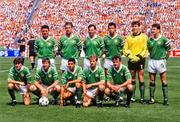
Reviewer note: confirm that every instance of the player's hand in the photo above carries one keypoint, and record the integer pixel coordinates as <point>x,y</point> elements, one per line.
<point>21,83</point>
<point>115,88</point>
<point>88,86</point>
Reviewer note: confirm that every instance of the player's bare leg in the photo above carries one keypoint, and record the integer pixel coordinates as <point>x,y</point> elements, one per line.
<point>26,98</point>
<point>86,101</point>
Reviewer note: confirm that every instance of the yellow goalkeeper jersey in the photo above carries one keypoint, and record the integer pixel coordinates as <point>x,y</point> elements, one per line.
<point>136,45</point>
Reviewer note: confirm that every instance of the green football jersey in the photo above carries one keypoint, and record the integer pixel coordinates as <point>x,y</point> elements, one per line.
<point>45,48</point>
<point>158,48</point>
<point>113,46</point>
<point>120,76</point>
<point>89,76</point>
<point>47,78</point>
<point>70,47</point>
<point>23,75</point>
<point>93,46</point>
<point>69,76</point>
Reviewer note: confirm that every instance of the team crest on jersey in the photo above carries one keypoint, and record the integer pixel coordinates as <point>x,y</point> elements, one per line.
<point>121,74</point>
<point>96,75</point>
<point>49,43</point>
<point>159,42</point>
<point>49,75</point>
<point>41,44</point>
<point>22,75</point>
<point>115,41</point>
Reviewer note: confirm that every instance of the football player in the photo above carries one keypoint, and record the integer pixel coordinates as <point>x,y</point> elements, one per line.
<point>119,81</point>
<point>159,49</point>
<point>93,83</point>
<point>71,80</point>
<point>113,44</point>
<point>93,45</point>
<point>69,46</point>
<point>45,47</point>
<point>135,49</point>
<point>19,79</point>
<point>46,81</point>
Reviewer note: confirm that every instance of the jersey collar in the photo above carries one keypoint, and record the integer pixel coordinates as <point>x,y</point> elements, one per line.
<point>70,36</point>
<point>118,69</point>
<point>157,38</point>
<point>20,69</point>
<point>73,71</point>
<point>95,36</point>
<point>93,70</point>
<point>45,71</point>
<point>113,36</point>
<point>46,39</point>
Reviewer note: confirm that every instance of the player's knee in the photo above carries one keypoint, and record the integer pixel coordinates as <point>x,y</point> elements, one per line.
<point>107,91</point>
<point>10,86</point>
<point>130,87</point>
<point>101,87</point>
<point>57,88</point>
<point>78,85</point>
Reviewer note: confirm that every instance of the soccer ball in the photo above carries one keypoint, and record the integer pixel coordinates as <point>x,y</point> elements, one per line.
<point>43,101</point>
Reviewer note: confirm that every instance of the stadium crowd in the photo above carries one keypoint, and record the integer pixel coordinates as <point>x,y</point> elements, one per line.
<point>100,12</point>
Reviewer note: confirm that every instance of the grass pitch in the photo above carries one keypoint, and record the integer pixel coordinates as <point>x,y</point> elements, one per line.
<point>137,113</point>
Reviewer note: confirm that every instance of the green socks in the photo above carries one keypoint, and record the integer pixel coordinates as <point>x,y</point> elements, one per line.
<point>152,90</point>
<point>142,89</point>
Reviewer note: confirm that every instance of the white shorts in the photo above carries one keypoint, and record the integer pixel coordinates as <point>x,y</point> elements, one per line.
<point>72,89</point>
<point>122,89</point>
<point>64,64</point>
<point>91,92</point>
<point>108,63</point>
<point>87,63</point>
<point>39,63</point>
<point>22,89</point>
<point>157,66</point>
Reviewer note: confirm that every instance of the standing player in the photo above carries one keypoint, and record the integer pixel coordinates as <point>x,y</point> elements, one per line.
<point>119,81</point>
<point>18,79</point>
<point>22,47</point>
<point>113,45</point>
<point>46,81</point>
<point>93,83</point>
<point>93,45</point>
<point>135,49</point>
<point>45,47</point>
<point>69,46</point>
<point>72,82</point>
<point>159,49</point>
<point>32,54</point>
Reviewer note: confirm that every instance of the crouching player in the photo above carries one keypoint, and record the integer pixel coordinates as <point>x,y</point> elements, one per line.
<point>93,83</point>
<point>18,79</point>
<point>46,81</point>
<point>119,81</point>
<point>71,81</point>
